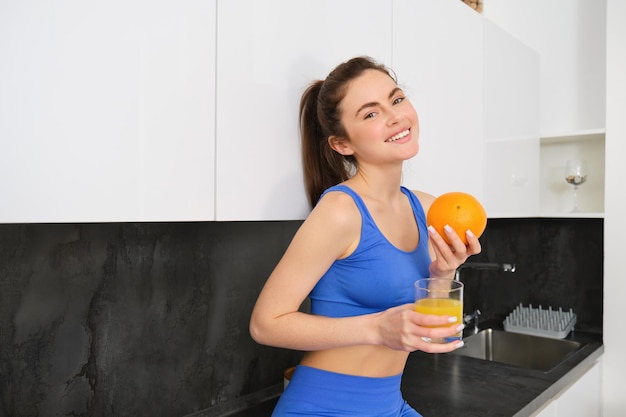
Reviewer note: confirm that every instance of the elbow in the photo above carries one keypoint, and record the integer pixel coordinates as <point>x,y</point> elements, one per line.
<point>257,331</point>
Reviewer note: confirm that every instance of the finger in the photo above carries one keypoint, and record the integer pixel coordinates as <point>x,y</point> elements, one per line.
<point>438,244</point>
<point>429,347</point>
<point>473,244</point>
<point>409,306</point>
<point>435,327</point>
<point>443,249</point>
<point>433,320</point>
<point>441,332</point>
<point>456,244</point>
<point>436,238</point>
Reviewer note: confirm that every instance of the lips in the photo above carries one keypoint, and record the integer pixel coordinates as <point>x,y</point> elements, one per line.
<point>397,136</point>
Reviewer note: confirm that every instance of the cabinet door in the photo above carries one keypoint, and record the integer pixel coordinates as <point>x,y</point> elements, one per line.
<point>437,54</point>
<point>583,398</point>
<point>268,52</point>
<point>512,178</point>
<point>106,110</point>
<point>570,36</point>
<point>548,411</point>
<point>511,125</point>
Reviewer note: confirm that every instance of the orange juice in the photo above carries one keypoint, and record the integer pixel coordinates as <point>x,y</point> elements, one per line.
<point>440,297</point>
<point>442,307</point>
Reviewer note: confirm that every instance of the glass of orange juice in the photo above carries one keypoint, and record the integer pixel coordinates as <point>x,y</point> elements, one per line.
<point>440,296</point>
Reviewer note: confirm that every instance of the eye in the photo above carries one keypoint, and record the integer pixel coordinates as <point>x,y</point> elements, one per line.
<point>370,115</point>
<point>398,100</point>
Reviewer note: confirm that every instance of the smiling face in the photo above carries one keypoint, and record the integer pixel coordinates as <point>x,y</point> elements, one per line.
<point>381,124</point>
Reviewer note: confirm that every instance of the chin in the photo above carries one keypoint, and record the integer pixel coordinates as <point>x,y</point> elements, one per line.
<point>413,151</point>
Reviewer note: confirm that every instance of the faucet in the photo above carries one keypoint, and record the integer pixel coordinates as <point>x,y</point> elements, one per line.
<point>468,318</point>
<point>484,266</point>
<point>507,267</point>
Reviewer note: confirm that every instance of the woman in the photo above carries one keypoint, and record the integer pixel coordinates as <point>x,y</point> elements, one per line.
<point>357,254</point>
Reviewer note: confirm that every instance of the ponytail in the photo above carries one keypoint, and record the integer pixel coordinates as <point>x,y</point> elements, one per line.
<point>320,118</point>
<point>323,167</point>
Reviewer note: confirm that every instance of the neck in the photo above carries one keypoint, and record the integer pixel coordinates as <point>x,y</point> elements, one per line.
<point>377,183</point>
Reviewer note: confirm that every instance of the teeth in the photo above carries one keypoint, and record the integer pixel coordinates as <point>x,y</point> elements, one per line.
<point>398,136</point>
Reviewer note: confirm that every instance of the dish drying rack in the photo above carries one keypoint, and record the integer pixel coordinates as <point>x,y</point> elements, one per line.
<point>554,324</point>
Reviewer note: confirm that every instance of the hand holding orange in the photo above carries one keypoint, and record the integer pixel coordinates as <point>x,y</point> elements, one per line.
<point>459,210</point>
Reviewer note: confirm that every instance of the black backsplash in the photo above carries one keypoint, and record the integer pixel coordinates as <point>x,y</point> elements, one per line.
<point>559,263</point>
<point>145,319</point>
<point>134,319</point>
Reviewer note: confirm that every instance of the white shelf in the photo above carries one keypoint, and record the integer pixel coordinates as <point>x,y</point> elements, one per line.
<point>581,215</point>
<point>578,136</point>
<point>547,215</point>
<point>556,196</point>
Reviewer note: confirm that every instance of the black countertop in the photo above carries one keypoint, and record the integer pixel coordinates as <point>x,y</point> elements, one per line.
<point>453,385</point>
<point>439,385</point>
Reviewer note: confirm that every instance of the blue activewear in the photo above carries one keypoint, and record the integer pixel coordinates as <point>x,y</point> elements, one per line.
<point>375,277</point>
<point>315,392</point>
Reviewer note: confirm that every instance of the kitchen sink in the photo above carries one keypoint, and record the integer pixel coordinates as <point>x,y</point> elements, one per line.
<point>522,350</point>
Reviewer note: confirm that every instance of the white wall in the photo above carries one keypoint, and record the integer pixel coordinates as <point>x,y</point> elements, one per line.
<point>614,378</point>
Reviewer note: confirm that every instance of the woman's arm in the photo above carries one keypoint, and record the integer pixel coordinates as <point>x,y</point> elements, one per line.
<point>331,231</point>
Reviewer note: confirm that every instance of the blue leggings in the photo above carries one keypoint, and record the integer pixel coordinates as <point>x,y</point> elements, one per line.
<point>314,392</point>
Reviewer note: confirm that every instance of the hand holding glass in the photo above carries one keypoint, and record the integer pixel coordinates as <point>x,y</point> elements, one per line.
<point>441,297</point>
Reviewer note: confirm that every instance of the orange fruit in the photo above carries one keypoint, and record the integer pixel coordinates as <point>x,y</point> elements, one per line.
<point>461,211</point>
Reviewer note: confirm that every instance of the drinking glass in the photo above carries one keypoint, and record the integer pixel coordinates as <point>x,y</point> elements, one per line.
<point>440,296</point>
<point>575,175</point>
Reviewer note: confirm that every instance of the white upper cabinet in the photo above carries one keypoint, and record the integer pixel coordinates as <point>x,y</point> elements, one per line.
<point>570,37</point>
<point>107,110</point>
<point>438,56</point>
<point>511,125</point>
<point>511,75</point>
<point>268,52</point>
<point>188,111</point>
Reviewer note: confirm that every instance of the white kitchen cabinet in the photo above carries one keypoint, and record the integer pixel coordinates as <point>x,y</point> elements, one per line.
<point>511,76</point>
<point>107,110</point>
<point>570,37</point>
<point>512,178</point>
<point>511,125</point>
<point>582,398</point>
<point>267,53</point>
<point>438,56</point>
<point>189,111</point>
<point>549,410</point>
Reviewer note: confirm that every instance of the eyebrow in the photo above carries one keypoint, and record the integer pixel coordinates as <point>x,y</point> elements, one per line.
<point>374,103</point>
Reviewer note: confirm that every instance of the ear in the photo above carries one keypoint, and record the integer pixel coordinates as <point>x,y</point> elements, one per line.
<point>340,145</point>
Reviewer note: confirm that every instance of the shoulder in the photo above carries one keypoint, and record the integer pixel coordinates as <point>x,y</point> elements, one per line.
<point>333,227</point>
<point>424,198</point>
<point>337,209</point>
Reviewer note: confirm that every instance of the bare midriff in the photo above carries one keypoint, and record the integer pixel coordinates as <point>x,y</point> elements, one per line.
<point>366,360</point>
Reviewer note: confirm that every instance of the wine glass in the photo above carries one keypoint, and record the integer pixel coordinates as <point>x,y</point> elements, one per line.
<point>576,174</point>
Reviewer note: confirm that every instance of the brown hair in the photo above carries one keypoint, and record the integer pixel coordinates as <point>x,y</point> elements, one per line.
<point>320,118</point>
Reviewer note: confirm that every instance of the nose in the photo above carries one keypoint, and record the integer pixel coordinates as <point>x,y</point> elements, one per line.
<point>394,117</point>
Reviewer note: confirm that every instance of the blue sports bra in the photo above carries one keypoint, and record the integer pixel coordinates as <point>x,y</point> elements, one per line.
<point>377,275</point>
